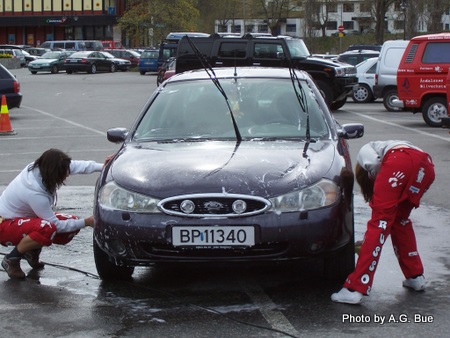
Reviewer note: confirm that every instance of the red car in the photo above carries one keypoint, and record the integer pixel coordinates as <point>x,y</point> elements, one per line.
<point>167,70</point>
<point>126,54</point>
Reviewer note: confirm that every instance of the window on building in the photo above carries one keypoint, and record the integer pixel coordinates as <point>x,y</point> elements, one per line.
<point>263,29</point>
<point>248,28</point>
<point>291,28</point>
<point>332,25</point>
<point>349,25</point>
<point>236,28</point>
<point>348,7</point>
<point>222,28</point>
<point>331,8</point>
<point>398,24</point>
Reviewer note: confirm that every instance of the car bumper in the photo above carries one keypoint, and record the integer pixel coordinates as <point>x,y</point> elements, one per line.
<point>13,100</point>
<point>139,239</point>
<point>398,103</point>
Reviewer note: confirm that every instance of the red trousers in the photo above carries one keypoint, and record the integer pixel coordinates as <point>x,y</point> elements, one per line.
<point>404,176</point>
<point>13,230</point>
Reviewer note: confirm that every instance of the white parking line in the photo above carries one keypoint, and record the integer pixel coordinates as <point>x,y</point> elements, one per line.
<point>400,126</point>
<point>268,308</point>
<point>67,121</point>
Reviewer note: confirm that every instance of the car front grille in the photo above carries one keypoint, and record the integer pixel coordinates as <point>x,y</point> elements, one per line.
<point>214,205</point>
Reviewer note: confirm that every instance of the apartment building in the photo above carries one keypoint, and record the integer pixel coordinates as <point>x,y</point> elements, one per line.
<point>31,22</point>
<point>354,15</point>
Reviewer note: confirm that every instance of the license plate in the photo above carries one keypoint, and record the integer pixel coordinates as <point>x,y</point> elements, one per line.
<point>207,236</point>
<point>35,66</point>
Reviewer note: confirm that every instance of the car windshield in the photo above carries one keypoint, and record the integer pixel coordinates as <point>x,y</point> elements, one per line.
<point>150,55</point>
<point>108,55</point>
<point>51,55</point>
<point>263,108</point>
<point>297,48</point>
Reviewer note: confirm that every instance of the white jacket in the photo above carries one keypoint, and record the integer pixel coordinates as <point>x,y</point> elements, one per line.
<point>26,196</point>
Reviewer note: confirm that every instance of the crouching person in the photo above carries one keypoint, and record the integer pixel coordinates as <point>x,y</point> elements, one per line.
<point>27,220</point>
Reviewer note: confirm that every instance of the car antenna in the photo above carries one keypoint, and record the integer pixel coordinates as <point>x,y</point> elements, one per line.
<point>212,75</point>
<point>300,94</point>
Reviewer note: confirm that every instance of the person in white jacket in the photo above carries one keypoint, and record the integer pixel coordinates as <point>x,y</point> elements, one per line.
<point>27,220</point>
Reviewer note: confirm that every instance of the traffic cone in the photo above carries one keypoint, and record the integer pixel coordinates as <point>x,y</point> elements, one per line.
<point>5,123</point>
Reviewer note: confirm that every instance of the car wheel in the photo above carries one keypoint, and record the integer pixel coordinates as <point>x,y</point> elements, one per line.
<point>362,94</point>
<point>338,104</point>
<point>69,71</point>
<point>434,110</point>
<point>108,270</point>
<point>34,72</point>
<point>142,72</point>
<point>54,69</point>
<point>388,98</point>
<point>326,91</point>
<point>93,69</point>
<point>341,263</point>
<point>112,69</point>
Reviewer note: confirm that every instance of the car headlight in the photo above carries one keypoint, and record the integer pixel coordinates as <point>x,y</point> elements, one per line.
<point>114,197</point>
<point>346,71</point>
<point>322,194</point>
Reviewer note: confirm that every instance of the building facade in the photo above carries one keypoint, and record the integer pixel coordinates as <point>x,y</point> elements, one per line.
<point>31,22</point>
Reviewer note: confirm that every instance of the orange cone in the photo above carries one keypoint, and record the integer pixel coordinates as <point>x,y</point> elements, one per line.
<point>5,123</point>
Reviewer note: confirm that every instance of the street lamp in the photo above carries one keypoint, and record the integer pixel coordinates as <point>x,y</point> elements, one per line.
<point>403,7</point>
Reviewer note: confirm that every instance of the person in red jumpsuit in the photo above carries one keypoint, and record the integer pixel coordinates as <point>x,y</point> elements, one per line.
<point>393,176</point>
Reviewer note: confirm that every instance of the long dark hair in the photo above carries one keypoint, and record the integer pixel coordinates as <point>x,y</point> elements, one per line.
<point>54,166</point>
<point>365,182</point>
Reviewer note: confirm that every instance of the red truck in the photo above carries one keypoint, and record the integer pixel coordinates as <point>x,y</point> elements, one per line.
<point>422,77</point>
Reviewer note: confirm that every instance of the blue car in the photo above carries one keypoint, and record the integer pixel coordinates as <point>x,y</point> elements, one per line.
<point>148,61</point>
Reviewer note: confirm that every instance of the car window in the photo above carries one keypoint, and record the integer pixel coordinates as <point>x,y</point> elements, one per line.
<point>196,109</point>
<point>436,53</point>
<point>149,55</point>
<point>232,50</point>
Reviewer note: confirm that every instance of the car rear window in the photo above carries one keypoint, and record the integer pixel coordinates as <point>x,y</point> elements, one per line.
<point>436,52</point>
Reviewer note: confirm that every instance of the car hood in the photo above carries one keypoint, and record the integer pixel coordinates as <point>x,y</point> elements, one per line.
<point>257,168</point>
<point>43,61</point>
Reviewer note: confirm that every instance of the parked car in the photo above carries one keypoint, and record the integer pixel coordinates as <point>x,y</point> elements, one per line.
<point>121,64</point>
<point>148,61</point>
<point>126,54</point>
<point>364,47</point>
<point>10,87</point>
<point>422,78</point>
<point>28,57</point>
<point>36,51</point>
<point>190,184</point>
<point>15,53</point>
<point>167,70</point>
<point>354,57</point>
<point>110,44</point>
<point>366,70</point>
<point>49,62</point>
<point>386,74</point>
<point>90,62</point>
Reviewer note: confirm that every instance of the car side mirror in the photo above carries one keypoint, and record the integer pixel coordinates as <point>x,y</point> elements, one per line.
<point>116,135</point>
<point>351,130</point>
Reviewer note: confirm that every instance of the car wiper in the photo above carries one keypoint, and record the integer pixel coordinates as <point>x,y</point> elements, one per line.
<point>212,75</point>
<point>300,94</point>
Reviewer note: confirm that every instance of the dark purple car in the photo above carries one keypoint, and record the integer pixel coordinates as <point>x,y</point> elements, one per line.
<point>261,175</point>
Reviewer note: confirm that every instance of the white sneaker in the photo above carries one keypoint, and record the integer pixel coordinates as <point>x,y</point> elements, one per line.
<point>347,296</point>
<point>419,283</point>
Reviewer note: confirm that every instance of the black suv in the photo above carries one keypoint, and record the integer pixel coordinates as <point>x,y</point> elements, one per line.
<point>10,87</point>
<point>335,79</point>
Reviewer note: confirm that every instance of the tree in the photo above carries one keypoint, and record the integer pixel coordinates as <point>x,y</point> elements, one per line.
<point>159,17</point>
<point>274,11</point>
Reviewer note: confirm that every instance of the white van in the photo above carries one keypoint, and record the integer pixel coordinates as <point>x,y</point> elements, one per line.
<point>386,74</point>
<point>73,45</point>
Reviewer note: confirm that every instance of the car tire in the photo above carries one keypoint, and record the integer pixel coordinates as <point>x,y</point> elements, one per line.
<point>338,104</point>
<point>112,69</point>
<point>341,263</point>
<point>390,95</point>
<point>142,72</point>
<point>362,94</point>
<point>54,69</point>
<point>93,69</point>
<point>434,110</point>
<point>69,71</point>
<point>108,270</point>
<point>34,72</point>
<point>326,91</point>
